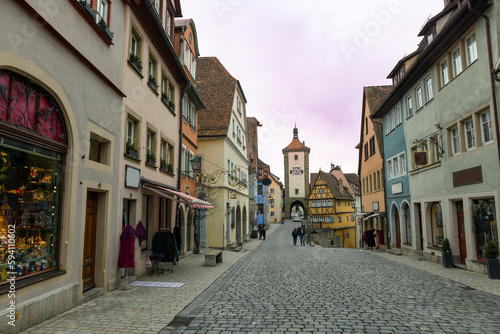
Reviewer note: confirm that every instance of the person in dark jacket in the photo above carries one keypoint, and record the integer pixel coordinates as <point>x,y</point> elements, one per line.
<point>302,235</point>
<point>295,234</point>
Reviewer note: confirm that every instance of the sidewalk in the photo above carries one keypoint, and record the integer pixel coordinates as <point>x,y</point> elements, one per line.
<point>474,280</point>
<point>145,309</point>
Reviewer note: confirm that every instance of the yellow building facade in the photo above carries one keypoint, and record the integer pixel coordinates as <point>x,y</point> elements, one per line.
<point>331,206</point>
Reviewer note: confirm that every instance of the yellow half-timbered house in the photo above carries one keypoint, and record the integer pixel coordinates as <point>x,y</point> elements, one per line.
<point>331,206</point>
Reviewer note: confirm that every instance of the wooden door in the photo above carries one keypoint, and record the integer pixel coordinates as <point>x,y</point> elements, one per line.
<point>89,242</point>
<point>398,230</point>
<point>461,236</point>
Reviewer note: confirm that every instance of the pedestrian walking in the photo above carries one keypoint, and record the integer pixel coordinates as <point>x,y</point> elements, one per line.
<point>295,234</point>
<point>260,231</point>
<point>302,235</point>
<point>263,233</point>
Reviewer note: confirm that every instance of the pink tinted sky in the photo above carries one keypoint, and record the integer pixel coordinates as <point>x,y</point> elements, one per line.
<point>306,62</point>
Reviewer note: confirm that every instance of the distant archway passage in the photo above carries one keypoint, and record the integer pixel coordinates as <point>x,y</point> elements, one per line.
<point>297,206</point>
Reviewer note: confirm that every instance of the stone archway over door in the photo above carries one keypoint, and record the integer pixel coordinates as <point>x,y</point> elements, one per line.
<point>299,204</point>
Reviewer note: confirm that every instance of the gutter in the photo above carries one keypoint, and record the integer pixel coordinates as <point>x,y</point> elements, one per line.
<point>492,73</point>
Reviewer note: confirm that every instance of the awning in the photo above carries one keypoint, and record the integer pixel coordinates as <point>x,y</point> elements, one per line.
<point>178,196</point>
<point>374,215</point>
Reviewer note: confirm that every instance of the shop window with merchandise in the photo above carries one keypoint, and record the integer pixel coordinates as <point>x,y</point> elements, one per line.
<point>483,224</point>
<point>32,148</point>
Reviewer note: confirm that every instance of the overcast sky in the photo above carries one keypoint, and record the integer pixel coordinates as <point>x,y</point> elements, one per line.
<point>306,62</point>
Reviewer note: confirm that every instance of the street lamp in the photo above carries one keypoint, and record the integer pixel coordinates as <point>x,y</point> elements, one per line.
<point>195,164</point>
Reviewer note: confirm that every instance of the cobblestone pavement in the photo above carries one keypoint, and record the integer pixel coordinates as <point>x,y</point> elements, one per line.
<point>284,288</point>
<point>272,286</point>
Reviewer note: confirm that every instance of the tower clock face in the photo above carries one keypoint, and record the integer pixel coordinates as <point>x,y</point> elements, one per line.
<point>296,170</point>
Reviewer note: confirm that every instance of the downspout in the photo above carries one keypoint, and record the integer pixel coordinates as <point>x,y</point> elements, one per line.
<point>492,73</point>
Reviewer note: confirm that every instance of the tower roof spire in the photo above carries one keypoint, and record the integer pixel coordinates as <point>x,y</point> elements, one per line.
<point>295,132</point>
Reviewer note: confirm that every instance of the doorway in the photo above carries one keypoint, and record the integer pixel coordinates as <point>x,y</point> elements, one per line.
<point>461,232</point>
<point>89,247</point>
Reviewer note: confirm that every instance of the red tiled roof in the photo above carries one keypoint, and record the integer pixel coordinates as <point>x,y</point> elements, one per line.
<point>216,87</point>
<point>296,145</point>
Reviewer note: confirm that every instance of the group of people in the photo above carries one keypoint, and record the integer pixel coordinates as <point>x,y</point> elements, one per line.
<point>299,232</point>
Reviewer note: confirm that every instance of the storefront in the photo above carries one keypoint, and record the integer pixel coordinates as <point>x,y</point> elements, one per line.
<point>33,144</point>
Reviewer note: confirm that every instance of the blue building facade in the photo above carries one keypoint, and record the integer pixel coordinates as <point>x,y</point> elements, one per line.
<point>396,177</point>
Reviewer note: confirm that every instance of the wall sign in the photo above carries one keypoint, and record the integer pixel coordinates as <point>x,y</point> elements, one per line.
<point>132,177</point>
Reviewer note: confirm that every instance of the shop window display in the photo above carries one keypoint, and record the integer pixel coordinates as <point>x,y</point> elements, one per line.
<point>32,147</point>
<point>484,219</point>
<point>437,224</point>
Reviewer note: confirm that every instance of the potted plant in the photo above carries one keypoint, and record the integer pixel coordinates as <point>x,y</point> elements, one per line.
<point>164,98</point>
<point>447,254</point>
<point>171,104</point>
<point>151,158</point>
<point>163,164</point>
<point>152,82</point>
<point>492,263</point>
<point>131,151</point>
<point>135,61</point>
<point>104,27</point>
<point>170,167</point>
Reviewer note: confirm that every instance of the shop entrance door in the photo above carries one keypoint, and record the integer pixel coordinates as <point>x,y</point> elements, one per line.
<point>461,236</point>
<point>398,229</point>
<point>89,242</point>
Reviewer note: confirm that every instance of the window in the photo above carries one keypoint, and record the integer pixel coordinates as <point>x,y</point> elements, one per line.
<point>396,166</point>
<point>372,145</point>
<point>393,123</point>
<point>271,191</point>
<point>102,11</point>
<point>131,127</point>
<point>152,72</point>
<point>409,106</point>
<point>407,224</point>
<point>486,130</point>
<point>296,191</point>
<point>296,157</point>
<point>99,149</point>
<point>387,124</point>
<point>418,97</point>
<point>366,151</point>
<point>429,93</point>
<point>455,141</point>
<point>366,125</point>
<point>156,5</point>
<point>135,49</point>
<point>471,49</point>
<point>457,62</point>
<point>272,213</point>
<point>340,219</point>
<point>169,24</point>
<point>436,225</point>
<point>443,71</point>
<point>338,202</point>
<point>469,135</point>
<point>398,115</point>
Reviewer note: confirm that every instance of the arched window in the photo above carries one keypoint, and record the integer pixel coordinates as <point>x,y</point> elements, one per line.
<point>33,143</point>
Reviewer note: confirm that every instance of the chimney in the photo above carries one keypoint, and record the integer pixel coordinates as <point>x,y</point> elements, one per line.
<point>341,187</point>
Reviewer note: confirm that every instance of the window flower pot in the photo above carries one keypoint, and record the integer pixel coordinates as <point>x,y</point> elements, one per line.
<point>88,9</point>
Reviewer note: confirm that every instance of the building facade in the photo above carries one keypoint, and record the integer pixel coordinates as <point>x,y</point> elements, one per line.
<point>330,205</point>
<point>371,166</point>
<point>59,152</point>
<point>275,199</point>
<point>223,143</point>
<point>451,134</point>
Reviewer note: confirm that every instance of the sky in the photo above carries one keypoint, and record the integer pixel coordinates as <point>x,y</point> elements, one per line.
<point>306,63</point>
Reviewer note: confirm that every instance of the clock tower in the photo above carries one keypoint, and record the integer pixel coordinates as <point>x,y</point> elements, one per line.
<point>296,161</point>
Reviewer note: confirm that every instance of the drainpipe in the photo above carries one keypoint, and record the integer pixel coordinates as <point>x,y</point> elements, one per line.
<point>492,74</point>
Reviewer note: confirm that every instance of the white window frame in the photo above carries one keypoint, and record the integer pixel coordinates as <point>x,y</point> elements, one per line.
<point>455,139</point>
<point>456,59</point>
<point>471,49</point>
<point>486,127</point>
<point>393,121</point>
<point>429,92</point>
<point>409,106</point>
<point>130,131</point>
<point>469,144</point>
<point>443,72</point>
<point>419,99</point>
<point>398,115</point>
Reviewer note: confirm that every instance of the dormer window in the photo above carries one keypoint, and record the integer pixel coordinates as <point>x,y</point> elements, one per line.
<point>430,37</point>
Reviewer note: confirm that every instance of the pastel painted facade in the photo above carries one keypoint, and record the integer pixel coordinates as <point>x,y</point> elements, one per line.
<point>253,152</point>
<point>296,165</point>
<point>331,206</point>
<point>263,172</point>
<point>222,141</point>
<point>65,194</point>
<point>275,199</point>
<point>371,165</point>
<point>192,218</point>
<point>152,82</point>
<point>451,135</point>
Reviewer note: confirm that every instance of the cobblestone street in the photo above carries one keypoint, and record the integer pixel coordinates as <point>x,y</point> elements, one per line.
<point>284,288</point>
